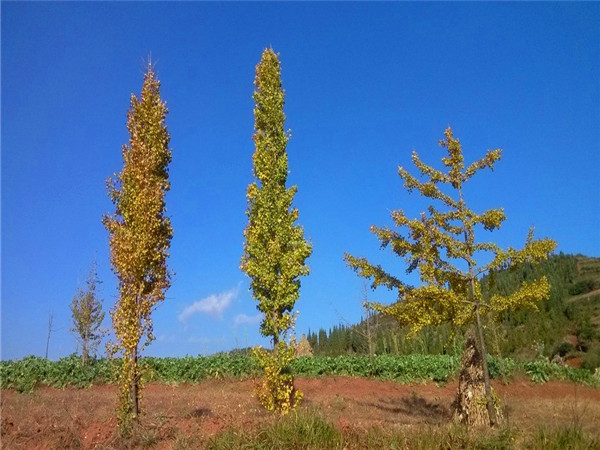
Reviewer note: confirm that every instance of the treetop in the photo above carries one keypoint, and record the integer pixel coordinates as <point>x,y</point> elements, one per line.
<point>441,245</point>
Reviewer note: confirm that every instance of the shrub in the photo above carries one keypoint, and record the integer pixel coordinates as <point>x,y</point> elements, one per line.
<point>562,349</point>
<point>583,287</point>
<point>591,360</point>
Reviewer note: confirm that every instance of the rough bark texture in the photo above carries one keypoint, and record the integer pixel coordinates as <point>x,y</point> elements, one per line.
<point>470,404</point>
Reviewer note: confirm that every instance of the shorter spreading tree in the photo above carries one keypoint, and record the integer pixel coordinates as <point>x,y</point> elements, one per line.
<point>441,246</point>
<point>86,309</point>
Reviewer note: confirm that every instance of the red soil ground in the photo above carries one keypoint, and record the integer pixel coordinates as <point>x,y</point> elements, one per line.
<point>74,418</point>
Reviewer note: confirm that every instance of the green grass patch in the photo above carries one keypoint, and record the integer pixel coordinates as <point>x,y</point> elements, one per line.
<point>310,430</point>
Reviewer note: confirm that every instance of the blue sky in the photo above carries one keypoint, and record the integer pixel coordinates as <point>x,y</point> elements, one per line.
<point>366,83</point>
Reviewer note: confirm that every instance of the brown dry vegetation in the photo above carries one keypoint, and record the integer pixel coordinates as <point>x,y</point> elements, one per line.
<point>53,418</point>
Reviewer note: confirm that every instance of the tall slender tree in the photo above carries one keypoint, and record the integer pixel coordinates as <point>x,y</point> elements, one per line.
<point>441,245</point>
<point>140,236</point>
<point>275,250</point>
<point>86,309</point>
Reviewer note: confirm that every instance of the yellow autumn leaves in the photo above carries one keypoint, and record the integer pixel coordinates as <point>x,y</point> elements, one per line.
<point>140,236</point>
<point>440,244</point>
<point>275,250</point>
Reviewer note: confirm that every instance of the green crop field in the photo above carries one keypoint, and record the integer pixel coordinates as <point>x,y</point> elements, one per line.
<point>24,375</point>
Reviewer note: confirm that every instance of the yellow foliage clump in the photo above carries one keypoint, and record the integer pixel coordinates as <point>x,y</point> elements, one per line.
<point>440,244</point>
<point>276,391</point>
<point>140,237</point>
<point>275,250</point>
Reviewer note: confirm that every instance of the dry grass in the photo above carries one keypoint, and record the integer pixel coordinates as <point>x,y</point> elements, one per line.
<point>339,412</point>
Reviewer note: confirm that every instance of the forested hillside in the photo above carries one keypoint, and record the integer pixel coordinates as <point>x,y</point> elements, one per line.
<point>565,328</point>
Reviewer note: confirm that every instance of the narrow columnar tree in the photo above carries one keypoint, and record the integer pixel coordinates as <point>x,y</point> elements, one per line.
<point>140,236</point>
<point>275,249</point>
<point>86,309</point>
<point>441,245</point>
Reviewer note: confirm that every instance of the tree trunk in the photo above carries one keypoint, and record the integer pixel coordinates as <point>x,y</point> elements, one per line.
<point>471,400</point>
<point>84,348</point>
<point>481,351</point>
<point>134,387</point>
<point>486,373</point>
<point>369,338</point>
<point>49,332</point>
<point>84,353</point>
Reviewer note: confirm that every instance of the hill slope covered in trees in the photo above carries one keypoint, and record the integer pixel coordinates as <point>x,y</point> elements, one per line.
<point>566,325</point>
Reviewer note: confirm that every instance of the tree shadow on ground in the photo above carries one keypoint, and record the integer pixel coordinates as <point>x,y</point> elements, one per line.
<point>414,406</point>
<point>201,412</point>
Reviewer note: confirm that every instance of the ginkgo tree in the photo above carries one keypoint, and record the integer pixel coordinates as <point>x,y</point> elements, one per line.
<point>86,310</point>
<point>275,250</point>
<point>140,237</point>
<point>441,245</point>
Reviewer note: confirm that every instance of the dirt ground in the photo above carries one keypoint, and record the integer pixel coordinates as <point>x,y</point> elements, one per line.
<point>73,418</point>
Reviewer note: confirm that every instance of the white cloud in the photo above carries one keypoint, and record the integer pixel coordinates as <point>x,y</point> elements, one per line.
<point>169,338</point>
<point>242,319</point>
<point>213,305</point>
